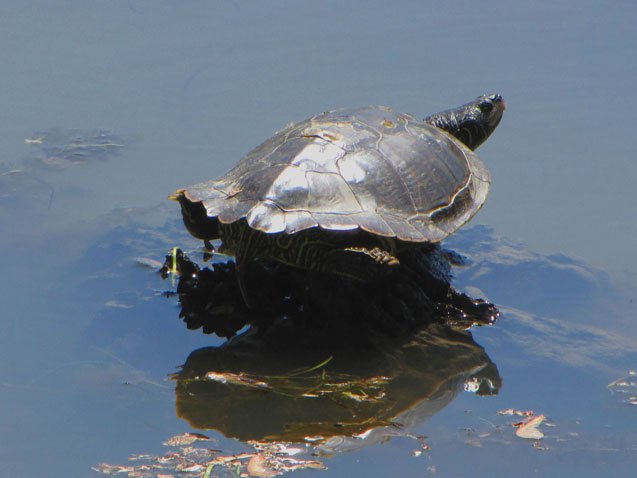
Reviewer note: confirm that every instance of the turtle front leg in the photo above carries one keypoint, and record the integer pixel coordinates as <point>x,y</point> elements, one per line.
<point>377,254</point>
<point>359,263</point>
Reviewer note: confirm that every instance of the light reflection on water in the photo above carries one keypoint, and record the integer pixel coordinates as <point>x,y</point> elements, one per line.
<point>88,341</point>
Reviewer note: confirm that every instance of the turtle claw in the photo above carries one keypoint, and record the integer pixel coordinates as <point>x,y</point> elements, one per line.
<point>383,257</point>
<point>379,255</point>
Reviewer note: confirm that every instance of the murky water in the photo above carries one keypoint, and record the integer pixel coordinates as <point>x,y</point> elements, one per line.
<point>110,106</point>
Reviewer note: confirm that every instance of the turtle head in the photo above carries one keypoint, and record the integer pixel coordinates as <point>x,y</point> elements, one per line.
<point>471,123</point>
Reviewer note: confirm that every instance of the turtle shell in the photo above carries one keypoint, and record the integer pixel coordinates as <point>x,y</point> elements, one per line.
<point>368,168</point>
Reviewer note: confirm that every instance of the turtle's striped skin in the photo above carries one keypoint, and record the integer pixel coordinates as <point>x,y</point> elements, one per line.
<point>347,190</point>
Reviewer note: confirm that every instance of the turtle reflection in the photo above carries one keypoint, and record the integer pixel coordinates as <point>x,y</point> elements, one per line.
<point>281,390</point>
<point>327,359</point>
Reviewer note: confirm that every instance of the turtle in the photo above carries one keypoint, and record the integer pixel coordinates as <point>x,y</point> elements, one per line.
<point>345,191</point>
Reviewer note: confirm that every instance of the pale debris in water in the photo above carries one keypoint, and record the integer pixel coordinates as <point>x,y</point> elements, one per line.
<point>529,428</point>
<point>288,450</point>
<point>61,148</point>
<point>259,466</point>
<point>266,465</point>
<point>278,448</point>
<point>363,397</point>
<point>185,439</point>
<point>626,385</point>
<point>268,459</point>
<point>196,468</point>
<point>236,379</point>
<point>107,469</point>
<point>270,462</point>
<point>364,434</point>
<point>291,464</point>
<point>512,411</point>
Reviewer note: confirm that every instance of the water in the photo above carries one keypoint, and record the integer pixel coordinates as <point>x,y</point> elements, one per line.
<point>88,340</point>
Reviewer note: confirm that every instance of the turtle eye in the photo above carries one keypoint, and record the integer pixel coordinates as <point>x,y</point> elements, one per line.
<point>486,107</point>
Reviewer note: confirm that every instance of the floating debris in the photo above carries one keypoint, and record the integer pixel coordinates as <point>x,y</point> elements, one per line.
<point>526,424</point>
<point>60,148</point>
<point>266,460</point>
<point>529,428</point>
<point>521,413</point>
<point>626,387</point>
<point>236,379</point>
<point>259,466</point>
<point>185,439</point>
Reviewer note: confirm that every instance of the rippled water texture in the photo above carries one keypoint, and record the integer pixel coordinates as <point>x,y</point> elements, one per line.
<point>108,107</point>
